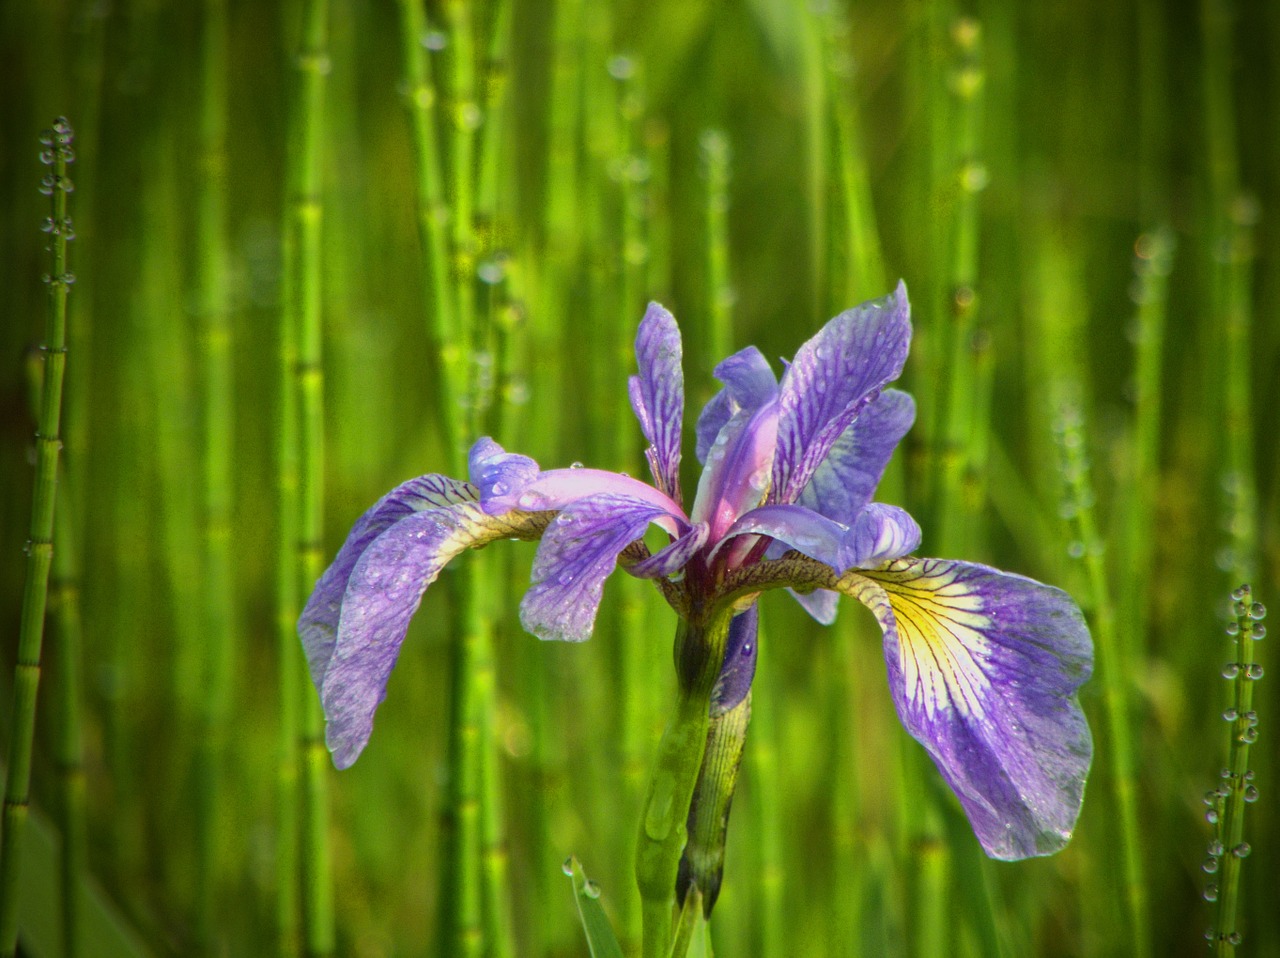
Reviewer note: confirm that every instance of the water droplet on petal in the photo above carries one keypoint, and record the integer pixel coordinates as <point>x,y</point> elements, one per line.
<point>576,465</point>
<point>499,488</point>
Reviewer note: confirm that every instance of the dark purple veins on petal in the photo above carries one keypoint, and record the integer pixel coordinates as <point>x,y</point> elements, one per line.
<point>657,395</point>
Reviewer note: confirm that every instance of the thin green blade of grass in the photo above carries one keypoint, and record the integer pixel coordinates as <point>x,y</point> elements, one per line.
<point>595,923</point>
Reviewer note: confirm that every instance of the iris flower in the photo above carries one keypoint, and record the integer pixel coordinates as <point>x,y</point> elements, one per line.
<point>983,665</point>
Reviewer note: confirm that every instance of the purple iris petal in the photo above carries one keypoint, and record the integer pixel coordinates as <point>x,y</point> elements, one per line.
<point>846,479</point>
<point>383,591</point>
<point>820,603</point>
<point>749,383</point>
<point>579,549</point>
<point>498,474</point>
<point>318,625</point>
<point>880,533</point>
<point>833,377</point>
<point>657,395</point>
<point>557,488</point>
<point>984,667</point>
<point>740,653</point>
<point>673,557</point>
<point>736,476</point>
<point>801,529</point>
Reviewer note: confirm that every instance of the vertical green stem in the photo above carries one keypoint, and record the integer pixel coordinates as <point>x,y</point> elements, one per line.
<point>662,834</point>
<point>716,154</point>
<point>958,410</point>
<point>1089,546</point>
<point>305,227</point>
<point>764,762</point>
<point>1229,848</point>
<point>57,153</point>
<point>433,217</point>
<point>215,347</point>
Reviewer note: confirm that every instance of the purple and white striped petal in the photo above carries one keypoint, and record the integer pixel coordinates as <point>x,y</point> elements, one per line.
<point>657,395</point>
<point>498,474</point>
<point>579,549</point>
<point>318,625</point>
<point>821,604</point>
<point>984,667</point>
<point>834,376</point>
<point>382,593</point>
<point>749,383</point>
<point>801,529</point>
<point>846,479</point>
<point>736,476</point>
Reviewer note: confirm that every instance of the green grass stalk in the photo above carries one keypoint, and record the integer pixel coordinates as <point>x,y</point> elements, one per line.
<point>212,851</point>
<point>863,267</point>
<point>768,825</point>
<point>65,649</point>
<point>953,508</point>
<point>1229,849</point>
<point>57,185</point>
<point>716,158</point>
<point>305,213</point>
<point>432,217</point>
<point>1088,546</point>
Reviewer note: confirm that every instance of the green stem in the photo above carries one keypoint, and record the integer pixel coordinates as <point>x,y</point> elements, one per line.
<point>215,345</point>
<point>305,226</point>
<point>17,792</point>
<point>662,834</point>
<point>1231,848</point>
<point>1110,671</point>
<point>716,154</point>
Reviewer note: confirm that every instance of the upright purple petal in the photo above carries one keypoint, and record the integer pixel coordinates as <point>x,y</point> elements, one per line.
<point>657,395</point>
<point>318,625</point>
<point>984,667</point>
<point>833,377</point>
<point>578,551</point>
<point>382,593</point>
<point>749,383</point>
<point>846,479</point>
<point>736,476</point>
<point>880,533</point>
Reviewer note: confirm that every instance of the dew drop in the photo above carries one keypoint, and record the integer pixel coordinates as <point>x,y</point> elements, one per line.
<point>576,465</point>
<point>1253,672</point>
<point>1211,816</point>
<point>499,489</point>
<point>1231,670</point>
<point>1230,715</point>
<point>1211,892</point>
<point>1249,735</point>
<point>591,889</point>
<point>1240,593</point>
<point>1242,850</point>
<point>1257,611</point>
<point>1235,938</point>
<point>567,867</point>
<point>1250,717</point>
<point>1216,848</point>
<point>1075,549</point>
<point>565,578</point>
<point>435,41</point>
<point>1259,631</point>
<point>1233,628</point>
<point>1251,793</point>
<point>1210,866</point>
<point>1211,798</point>
<point>1239,608</point>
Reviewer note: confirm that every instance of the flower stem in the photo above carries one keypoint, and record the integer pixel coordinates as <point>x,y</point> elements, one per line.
<point>661,841</point>
<point>17,793</point>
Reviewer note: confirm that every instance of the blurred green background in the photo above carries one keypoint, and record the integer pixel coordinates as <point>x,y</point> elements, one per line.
<point>1081,198</point>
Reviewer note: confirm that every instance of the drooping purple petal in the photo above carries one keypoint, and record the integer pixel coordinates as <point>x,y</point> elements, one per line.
<point>557,488</point>
<point>672,557</point>
<point>318,625</point>
<point>984,667</point>
<point>657,395</point>
<point>833,377</point>
<point>846,479</point>
<point>798,528</point>
<point>498,474</point>
<point>740,652</point>
<point>382,593</point>
<point>578,551</point>
<point>820,603</point>
<point>749,383</point>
